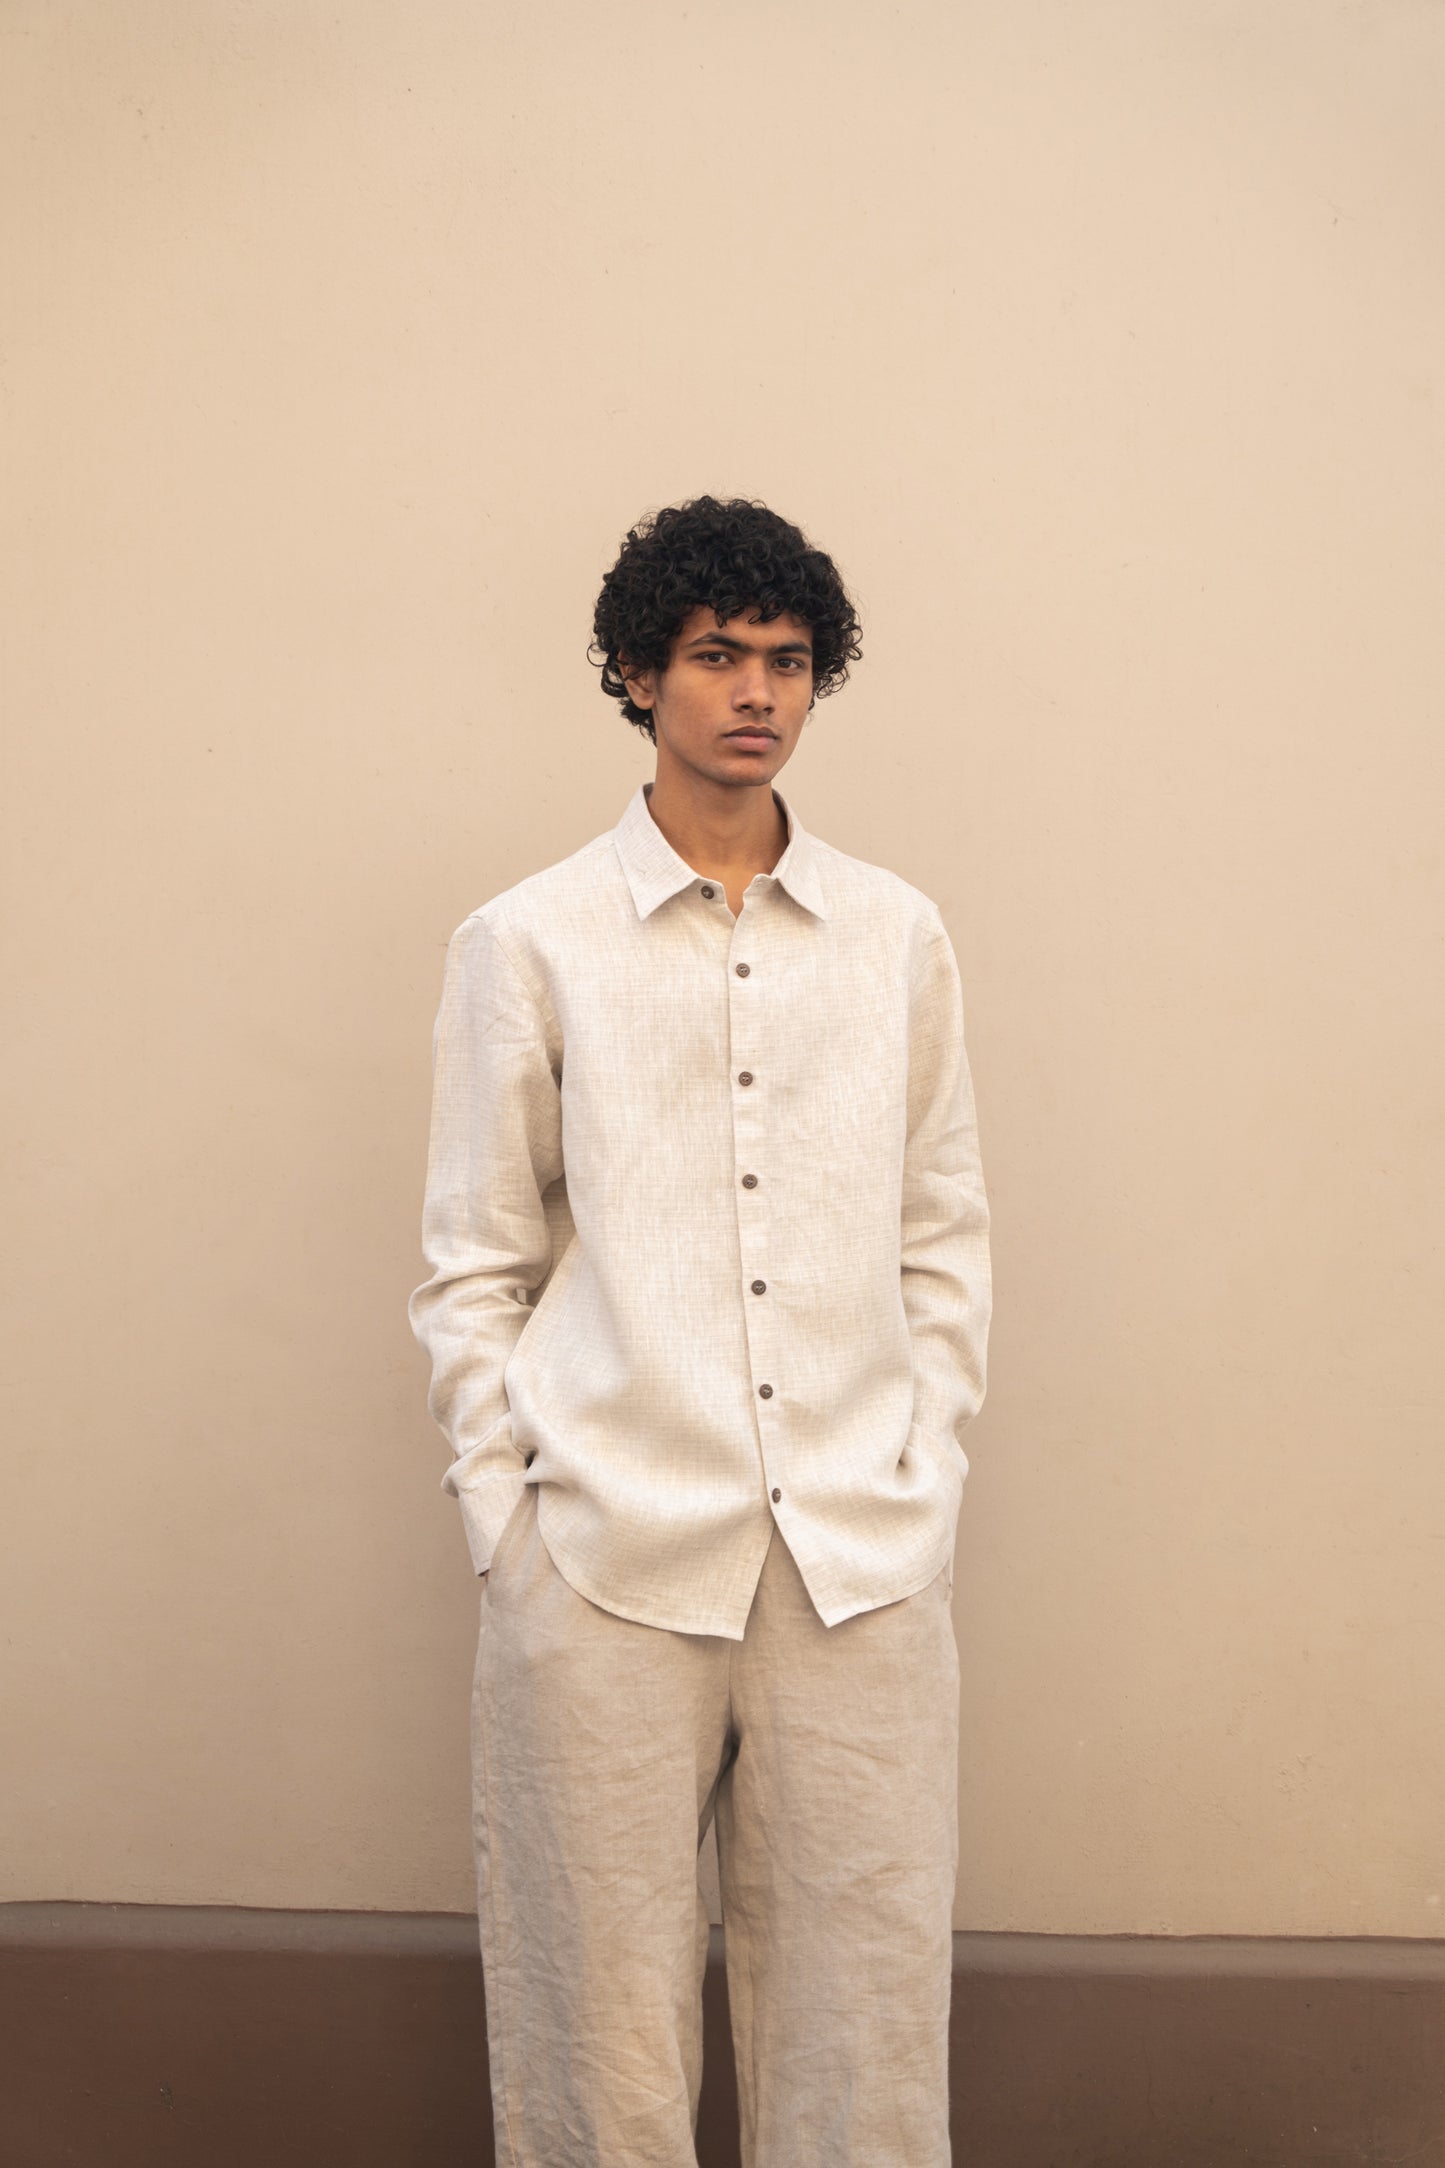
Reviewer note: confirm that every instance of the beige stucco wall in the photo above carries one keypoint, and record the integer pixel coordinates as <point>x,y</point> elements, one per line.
<point>1101,344</point>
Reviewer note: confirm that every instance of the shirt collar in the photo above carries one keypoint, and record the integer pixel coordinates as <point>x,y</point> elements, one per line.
<point>655,871</point>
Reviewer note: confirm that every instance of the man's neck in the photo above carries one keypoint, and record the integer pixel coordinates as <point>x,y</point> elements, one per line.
<point>732,833</point>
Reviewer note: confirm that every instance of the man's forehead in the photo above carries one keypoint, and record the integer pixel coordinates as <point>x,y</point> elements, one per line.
<point>747,629</point>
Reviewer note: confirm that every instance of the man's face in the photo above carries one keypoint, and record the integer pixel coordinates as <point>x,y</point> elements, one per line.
<point>733,699</point>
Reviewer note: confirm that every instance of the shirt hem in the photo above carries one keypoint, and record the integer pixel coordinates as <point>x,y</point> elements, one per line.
<point>582,1585</point>
<point>835,1614</point>
<point>831,1614</point>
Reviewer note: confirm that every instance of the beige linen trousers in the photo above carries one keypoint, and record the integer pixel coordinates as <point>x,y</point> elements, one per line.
<point>602,1749</point>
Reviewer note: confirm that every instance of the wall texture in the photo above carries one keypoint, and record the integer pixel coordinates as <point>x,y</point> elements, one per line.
<point>1100,340</point>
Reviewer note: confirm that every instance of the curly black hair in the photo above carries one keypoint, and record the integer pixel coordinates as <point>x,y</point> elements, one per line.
<point>733,556</point>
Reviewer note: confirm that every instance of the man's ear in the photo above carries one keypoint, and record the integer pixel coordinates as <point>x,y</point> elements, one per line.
<point>641,684</point>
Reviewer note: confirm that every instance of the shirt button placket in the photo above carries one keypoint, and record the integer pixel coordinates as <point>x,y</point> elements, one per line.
<point>750,1137</point>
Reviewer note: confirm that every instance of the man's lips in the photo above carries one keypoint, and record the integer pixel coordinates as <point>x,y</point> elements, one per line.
<point>752,731</point>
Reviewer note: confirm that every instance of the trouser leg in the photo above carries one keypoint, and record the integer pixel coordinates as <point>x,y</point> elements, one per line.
<point>596,1746</point>
<point>838,1855</point>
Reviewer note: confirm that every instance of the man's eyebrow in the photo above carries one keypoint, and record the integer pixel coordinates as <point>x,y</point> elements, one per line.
<point>740,647</point>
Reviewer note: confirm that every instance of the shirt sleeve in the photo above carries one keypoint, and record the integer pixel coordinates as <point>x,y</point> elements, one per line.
<point>947,1279</point>
<point>495,1146</point>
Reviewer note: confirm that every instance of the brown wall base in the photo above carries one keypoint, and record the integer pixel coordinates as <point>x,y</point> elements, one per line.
<point>157,2037</point>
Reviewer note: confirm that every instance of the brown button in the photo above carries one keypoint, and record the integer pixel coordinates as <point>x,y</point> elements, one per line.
<point>743,970</point>
<point>708,892</point>
<point>760,1287</point>
<point>765,1392</point>
<point>777,1496</point>
<point>745,1076</point>
<point>750,1181</point>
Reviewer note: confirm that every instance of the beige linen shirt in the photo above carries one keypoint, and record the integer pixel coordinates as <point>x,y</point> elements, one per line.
<point>707,1227</point>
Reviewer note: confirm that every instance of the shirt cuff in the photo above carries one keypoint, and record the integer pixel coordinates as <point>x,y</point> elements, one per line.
<point>944,1446</point>
<point>486,1509</point>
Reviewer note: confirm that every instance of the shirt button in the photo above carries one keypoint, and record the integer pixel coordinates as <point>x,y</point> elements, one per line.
<point>777,1497</point>
<point>760,1287</point>
<point>750,1181</point>
<point>745,1076</point>
<point>765,1392</point>
<point>743,970</point>
<point>708,892</point>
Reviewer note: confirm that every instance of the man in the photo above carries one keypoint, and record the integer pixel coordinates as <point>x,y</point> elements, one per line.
<point>708,1307</point>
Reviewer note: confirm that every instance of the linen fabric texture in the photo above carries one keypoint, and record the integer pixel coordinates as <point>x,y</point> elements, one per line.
<point>706,1227</point>
<point>828,1758</point>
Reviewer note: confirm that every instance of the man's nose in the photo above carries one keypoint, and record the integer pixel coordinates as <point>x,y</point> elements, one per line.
<point>751,688</point>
